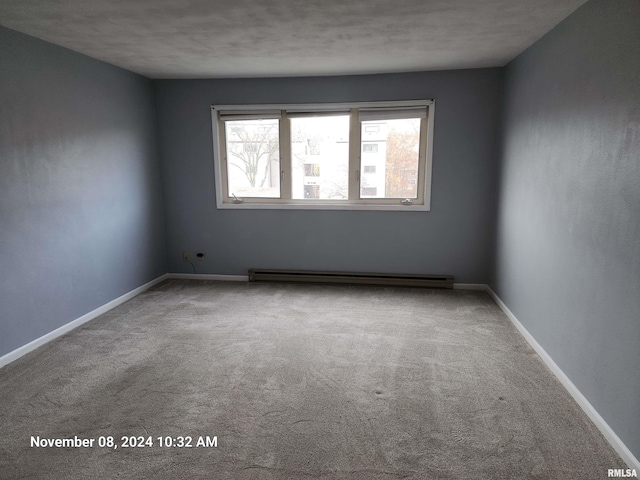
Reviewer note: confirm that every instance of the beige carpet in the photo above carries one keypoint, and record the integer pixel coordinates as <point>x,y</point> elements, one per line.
<point>295,382</point>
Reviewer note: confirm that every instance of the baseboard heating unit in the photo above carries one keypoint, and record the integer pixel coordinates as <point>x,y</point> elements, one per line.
<point>353,278</point>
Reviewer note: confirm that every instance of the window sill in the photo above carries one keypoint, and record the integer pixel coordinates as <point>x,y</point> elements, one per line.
<point>323,206</point>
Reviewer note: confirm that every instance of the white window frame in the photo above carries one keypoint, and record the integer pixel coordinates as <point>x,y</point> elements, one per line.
<point>422,203</point>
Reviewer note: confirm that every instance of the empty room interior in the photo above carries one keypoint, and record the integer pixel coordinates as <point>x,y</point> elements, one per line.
<point>333,240</point>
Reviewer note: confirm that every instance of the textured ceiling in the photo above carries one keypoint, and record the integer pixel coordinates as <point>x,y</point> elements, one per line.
<point>262,38</point>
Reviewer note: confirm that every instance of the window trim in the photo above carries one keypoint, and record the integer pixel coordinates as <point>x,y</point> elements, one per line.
<point>423,202</point>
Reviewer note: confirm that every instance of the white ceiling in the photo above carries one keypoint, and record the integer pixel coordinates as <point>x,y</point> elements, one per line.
<point>265,38</point>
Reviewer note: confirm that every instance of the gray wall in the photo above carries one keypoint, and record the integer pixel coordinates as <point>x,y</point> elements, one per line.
<point>80,194</point>
<point>455,237</point>
<point>81,217</point>
<point>568,237</point>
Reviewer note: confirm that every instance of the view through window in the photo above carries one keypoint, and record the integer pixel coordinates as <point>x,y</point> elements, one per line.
<point>370,155</point>
<point>253,158</point>
<point>320,157</point>
<point>390,168</point>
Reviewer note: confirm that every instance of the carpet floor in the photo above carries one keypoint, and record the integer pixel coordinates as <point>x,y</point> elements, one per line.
<point>295,382</point>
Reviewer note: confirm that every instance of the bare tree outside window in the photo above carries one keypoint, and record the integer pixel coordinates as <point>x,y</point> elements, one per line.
<point>253,157</point>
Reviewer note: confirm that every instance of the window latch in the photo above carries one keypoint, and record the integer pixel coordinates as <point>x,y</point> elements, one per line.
<point>236,199</point>
<point>406,201</point>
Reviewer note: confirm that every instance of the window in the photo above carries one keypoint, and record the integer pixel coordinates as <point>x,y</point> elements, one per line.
<point>400,149</point>
<point>314,149</point>
<point>312,191</point>
<point>328,160</point>
<point>309,156</point>
<point>253,158</point>
<point>250,147</point>
<point>370,147</point>
<point>312,170</point>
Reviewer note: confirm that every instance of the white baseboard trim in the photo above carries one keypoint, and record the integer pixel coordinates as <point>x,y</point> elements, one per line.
<point>471,286</point>
<point>613,439</point>
<point>19,352</point>
<point>207,276</point>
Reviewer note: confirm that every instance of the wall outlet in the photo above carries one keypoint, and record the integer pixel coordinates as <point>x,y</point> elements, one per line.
<point>185,256</point>
<point>200,256</point>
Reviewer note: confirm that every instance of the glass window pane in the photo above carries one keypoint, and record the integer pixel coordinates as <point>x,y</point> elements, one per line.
<point>320,157</point>
<point>253,158</point>
<point>390,157</point>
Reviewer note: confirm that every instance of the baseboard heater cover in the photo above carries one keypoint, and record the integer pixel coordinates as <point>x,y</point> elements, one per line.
<point>353,278</point>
